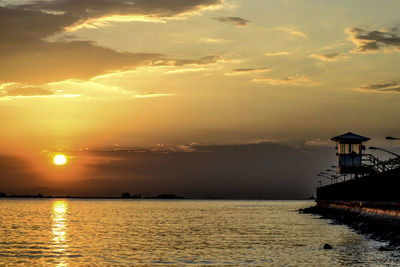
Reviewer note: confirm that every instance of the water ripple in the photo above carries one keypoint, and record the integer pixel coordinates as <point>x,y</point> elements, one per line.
<point>138,232</point>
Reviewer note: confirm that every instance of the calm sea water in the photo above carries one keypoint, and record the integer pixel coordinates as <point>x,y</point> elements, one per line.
<point>74,232</point>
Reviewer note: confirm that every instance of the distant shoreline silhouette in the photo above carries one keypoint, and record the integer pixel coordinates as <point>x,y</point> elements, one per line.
<point>128,196</point>
<point>123,196</point>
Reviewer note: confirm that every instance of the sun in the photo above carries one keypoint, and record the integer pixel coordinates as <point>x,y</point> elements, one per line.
<point>59,159</point>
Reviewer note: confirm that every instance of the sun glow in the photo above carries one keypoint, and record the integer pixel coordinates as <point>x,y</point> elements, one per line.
<point>59,160</point>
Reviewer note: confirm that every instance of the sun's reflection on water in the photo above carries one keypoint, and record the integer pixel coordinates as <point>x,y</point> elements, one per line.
<point>59,230</point>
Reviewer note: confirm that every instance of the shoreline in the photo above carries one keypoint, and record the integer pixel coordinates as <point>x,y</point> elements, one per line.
<point>380,227</point>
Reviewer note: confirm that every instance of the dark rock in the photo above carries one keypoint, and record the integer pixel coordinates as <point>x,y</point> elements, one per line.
<point>327,246</point>
<point>383,248</point>
<point>394,240</point>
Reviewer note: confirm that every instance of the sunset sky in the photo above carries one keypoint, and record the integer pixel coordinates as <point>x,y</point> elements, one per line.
<point>125,87</point>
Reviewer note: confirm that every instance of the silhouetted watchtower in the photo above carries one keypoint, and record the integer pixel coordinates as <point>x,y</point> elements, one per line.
<point>350,151</point>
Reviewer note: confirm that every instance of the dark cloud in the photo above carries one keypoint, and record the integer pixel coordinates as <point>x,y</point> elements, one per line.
<point>235,20</point>
<point>82,10</point>
<point>27,56</point>
<point>368,42</point>
<point>42,62</point>
<point>17,176</point>
<point>388,87</point>
<point>264,170</point>
<point>250,69</point>
<point>21,26</point>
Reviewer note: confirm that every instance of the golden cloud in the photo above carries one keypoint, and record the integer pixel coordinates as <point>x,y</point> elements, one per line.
<point>298,79</point>
<point>236,72</point>
<point>330,57</point>
<point>292,31</point>
<point>151,95</point>
<point>279,53</point>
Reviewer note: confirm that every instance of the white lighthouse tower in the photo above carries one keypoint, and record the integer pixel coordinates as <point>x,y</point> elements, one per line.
<point>350,151</point>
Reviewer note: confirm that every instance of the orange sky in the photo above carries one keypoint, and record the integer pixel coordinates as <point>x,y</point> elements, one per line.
<point>143,74</point>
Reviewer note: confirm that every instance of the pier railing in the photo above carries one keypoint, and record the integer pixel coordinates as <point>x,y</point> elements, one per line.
<point>382,166</point>
<point>371,165</point>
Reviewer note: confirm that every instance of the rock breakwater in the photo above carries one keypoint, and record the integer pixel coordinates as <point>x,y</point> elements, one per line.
<point>378,226</point>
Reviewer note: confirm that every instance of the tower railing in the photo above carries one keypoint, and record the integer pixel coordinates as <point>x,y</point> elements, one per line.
<point>370,165</point>
<point>373,163</point>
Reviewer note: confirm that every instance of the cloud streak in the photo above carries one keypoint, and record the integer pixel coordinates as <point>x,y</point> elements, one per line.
<point>10,91</point>
<point>238,21</point>
<point>383,87</point>
<point>151,95</point>
<point>298,79</point>
<point>330,57</point>
<point>247,71</point>
<point>292,31</point>
<point>279,53</point>
<point>28,91</point>
<point>214,41</point>
<point>182,62</point>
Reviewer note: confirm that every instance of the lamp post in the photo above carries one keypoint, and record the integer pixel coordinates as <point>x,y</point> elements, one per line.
<point>337,176</point>
<point>387,151</point>
<point>392,138</point>
<point>329,170</point>
<point>335,167</point>
<point>332,176</point>
<point>322,174</point>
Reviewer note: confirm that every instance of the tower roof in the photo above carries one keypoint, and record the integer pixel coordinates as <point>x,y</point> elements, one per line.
<point>350,137</point>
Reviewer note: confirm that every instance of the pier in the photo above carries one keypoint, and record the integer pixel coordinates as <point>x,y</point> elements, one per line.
<point>361,178</point>
<point>364,191</point>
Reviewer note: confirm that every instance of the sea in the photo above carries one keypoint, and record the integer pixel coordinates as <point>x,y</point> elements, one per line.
<point>139,232</point>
